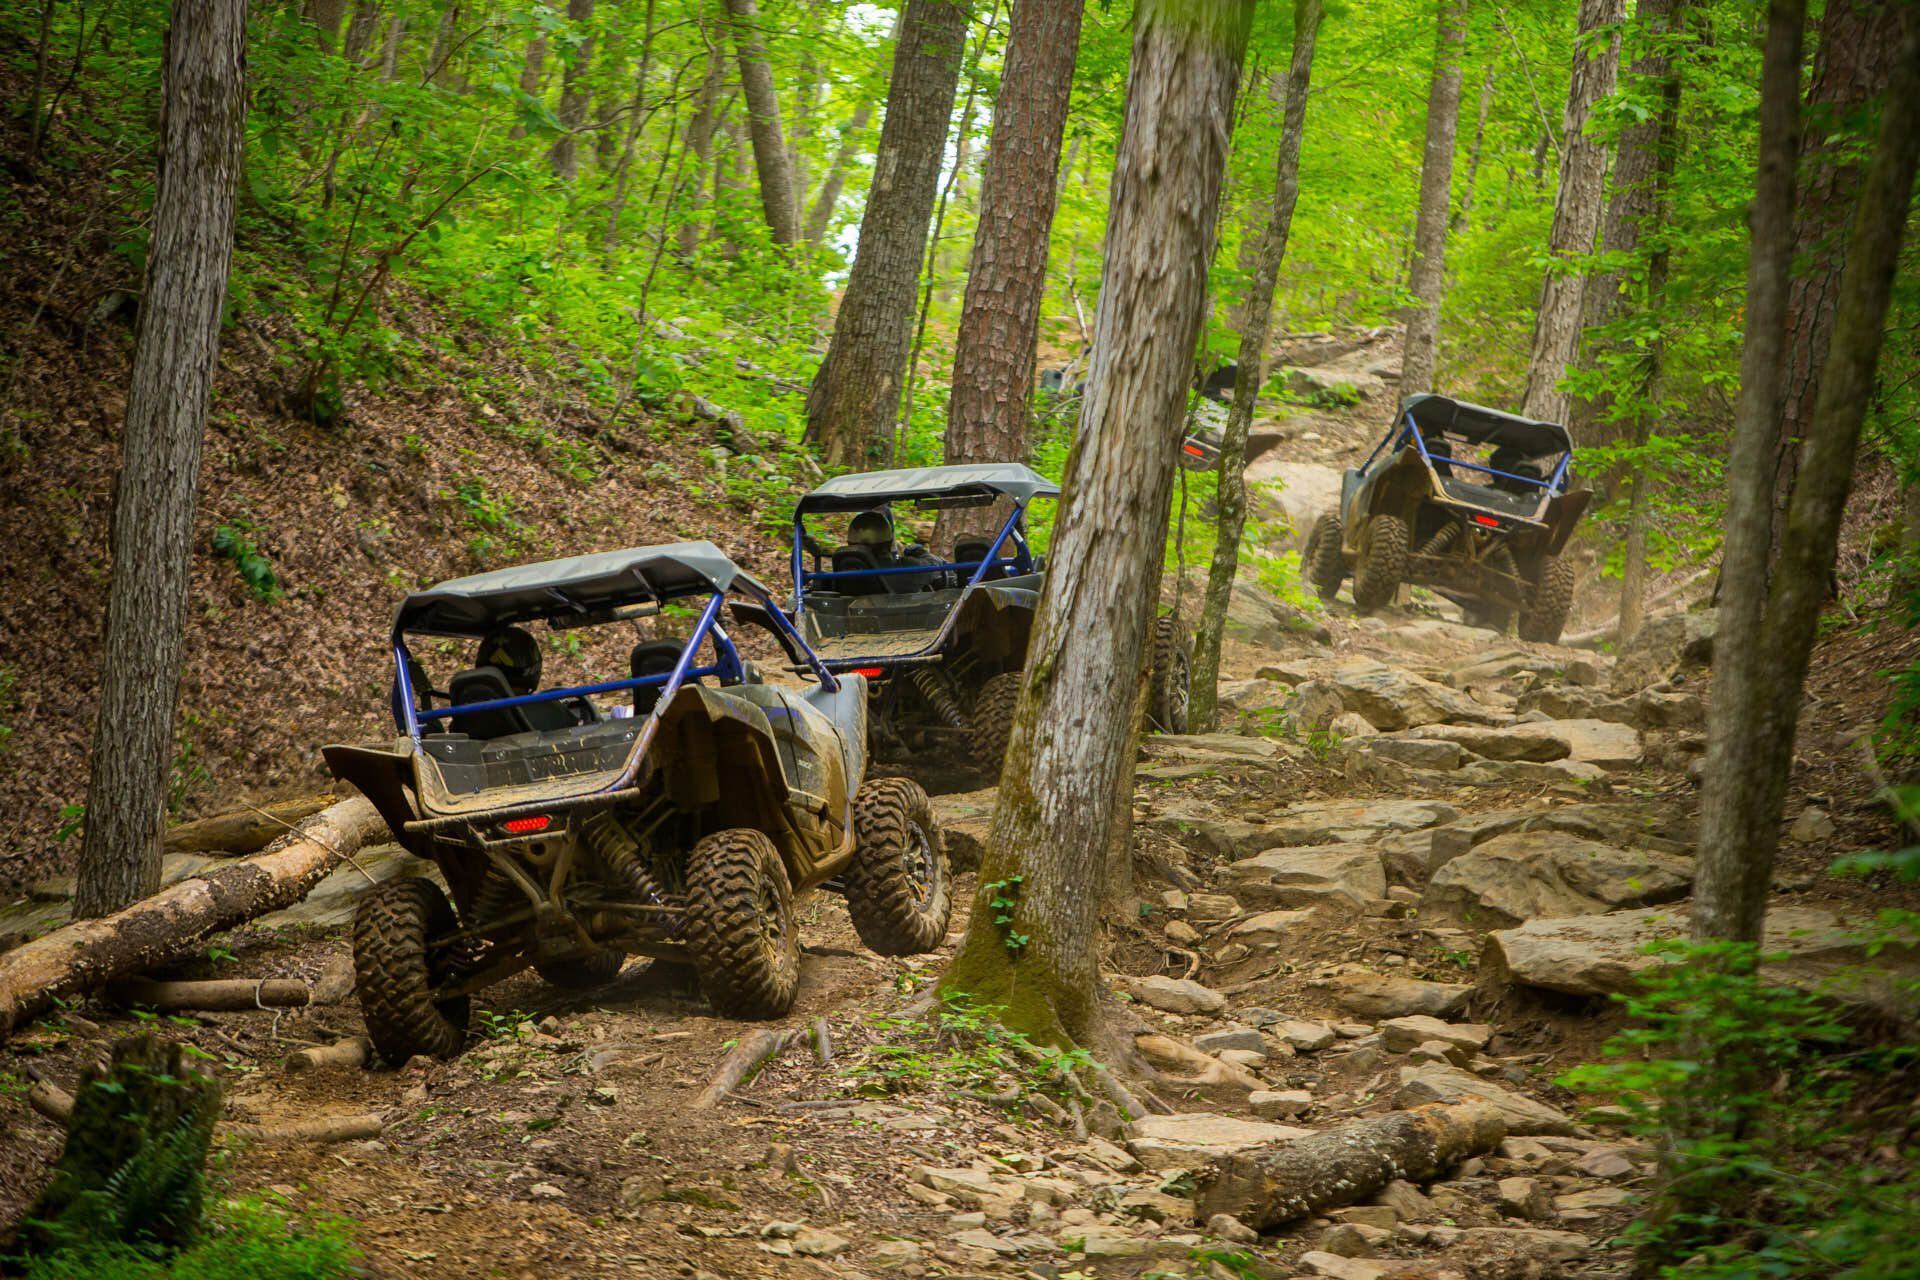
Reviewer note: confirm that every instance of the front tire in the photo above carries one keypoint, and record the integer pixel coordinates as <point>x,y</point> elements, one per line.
<point>1170,678</point>
<point>991,724</point>
<point>741,931</point>
<point>1383,561</point>
<point>1545,614</point>
<point>393,930</point>
<point>899,888</point>
<point>1324,559</point>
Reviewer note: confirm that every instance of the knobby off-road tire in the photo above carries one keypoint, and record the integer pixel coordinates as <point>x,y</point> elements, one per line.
<point>1383,561</point>
<point>582,972</point>
<point>1170,677</point>
<point>741,931</point>
<point>991,723</point>
<point>899,888</point>
<point>1323,560</point>
<point>1545,615</point>
<point>393,972</point>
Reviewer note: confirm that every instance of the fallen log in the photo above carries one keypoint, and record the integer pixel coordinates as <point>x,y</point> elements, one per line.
<point>245,830</point>
<point>351,1052</point>
<point>157,930</point>
<point>754,1048</point>
<point>56,1104</point>
<point>220,995</point>
<point>1268,1186</point>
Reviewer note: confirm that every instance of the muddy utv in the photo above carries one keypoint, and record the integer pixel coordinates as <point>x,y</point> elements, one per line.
<point>674,809</point>
<point>1472,502</point>
<point>943,640</point>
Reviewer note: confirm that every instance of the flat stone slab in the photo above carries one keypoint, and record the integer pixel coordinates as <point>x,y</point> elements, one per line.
<point>1601,955</point>
<point>1391,698</point>
<point>1176,995</point>
<point>1385,995</point>
<point>1531,875</point>
<point>1322,822</point>
<point>1347,874</point>
<point>1270,928</point>
<point>1536,741</point>
<point>1190,1139</point>
<point>1439,1082</point>
<point>1601,742</point>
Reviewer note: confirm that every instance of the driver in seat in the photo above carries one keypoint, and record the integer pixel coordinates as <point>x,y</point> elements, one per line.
<point>873,532</point>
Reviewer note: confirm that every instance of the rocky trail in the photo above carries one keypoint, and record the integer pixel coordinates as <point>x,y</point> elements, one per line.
<point>1410,869</point>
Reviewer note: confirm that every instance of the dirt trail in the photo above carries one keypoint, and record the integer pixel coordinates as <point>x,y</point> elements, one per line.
<point>1340,910</point>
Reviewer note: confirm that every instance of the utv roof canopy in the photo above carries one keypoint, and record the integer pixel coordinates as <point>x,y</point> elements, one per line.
<point>1478,424</point>
<point>981,481</point>
<point>578,586</point>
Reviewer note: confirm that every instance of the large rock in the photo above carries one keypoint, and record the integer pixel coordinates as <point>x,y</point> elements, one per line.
<point>1601,742</point>
<point>1564,702</point>
<point>1385,995</point>
<point>1600,955</point>
<point>1445,642</point>
<point>1270,928</point>
<point>1257,616</point>
<point>1666,644</point>
<point>1418,752</point>
<point>1348,874</point>
<point>1508,742</point>
<point>1225,837</point>
<point>1176,995</point>
<point>1322,822</point>
<point>1530,875</point>
<point>1190,1139</point>
<point>1412,857</point>
<point>1440,1082</point>
<point>1391,698</point>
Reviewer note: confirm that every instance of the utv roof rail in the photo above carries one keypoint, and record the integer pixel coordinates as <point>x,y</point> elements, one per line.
<point>1478,424</point>
<point>475,605</point>
<point>985,480</point>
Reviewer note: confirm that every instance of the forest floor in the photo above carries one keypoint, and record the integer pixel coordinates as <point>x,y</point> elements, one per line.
<point>1393,799</point>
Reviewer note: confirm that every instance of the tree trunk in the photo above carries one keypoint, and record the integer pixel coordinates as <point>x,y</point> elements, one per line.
<point>1464,215</point>
<point>167,925</point>
<point>856,391</point>
<point>820,217</point>
<point>1576,212</point>
<point>359,38</point>
<point>574,98</point>
<point>1071,737</point>
<point>1850,69</point>
<point>1231,514</point>
<point>176,349</point>
<point>636,117</point>
<point>1641,169</point>
<point>994,349</point>
<point>326,16</point>
<point>1267,1187</point>
<point>1427,280</point>
<point>806,112</point>
<point>763,118</point>
<point>442,52</point>
<point>699,145</point>
<point>532,72</point>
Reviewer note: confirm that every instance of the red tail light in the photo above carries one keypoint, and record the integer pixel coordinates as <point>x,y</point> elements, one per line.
<point>1488,521</point>
<point>528,825</point>
<point>871,673</point>
<point>1195,450</point>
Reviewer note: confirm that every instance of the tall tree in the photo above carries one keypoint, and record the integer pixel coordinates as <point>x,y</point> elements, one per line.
<point>827,199</point>
<point>1851,67</point>
<point>1767,628</point>
<point>1464,214</point>
<point>1428,278</point>
<point>994,350</point>
<point>1073,729</point>
<point>176,347</point>
<point>699,149</point>
<point>1231,509</point>
<point>533,69</point>
<point>770,155</point>
<point>574,97</point>
<point>1642,176</point>
<point>1576,211</point>
<point>856,391</point>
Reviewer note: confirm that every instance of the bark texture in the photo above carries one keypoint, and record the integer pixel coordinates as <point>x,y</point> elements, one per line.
<point>1428,278</point>
<point>1231,509</point>
<point>856,391</point>
<point>243,830</point>
<point>1576,211</point>
<point>176,348</point>
<point>90,953</point>
<point>1770,631</point>
<point>993,353</point>
<point>770,156</point>
<point>574,98</point>
<point>1851,66</point>
<point>1072,733</point>
<point>1268,1187</point>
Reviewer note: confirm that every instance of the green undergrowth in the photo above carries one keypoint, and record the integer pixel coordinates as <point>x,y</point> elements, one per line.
<point>242,1240</point>
<point>962,1047</point>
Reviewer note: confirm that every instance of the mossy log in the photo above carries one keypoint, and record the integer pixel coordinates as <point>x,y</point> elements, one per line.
<point>154,931</point>
<point>243,830</point>
<point>1268,1186</point>
<point>137,1135</point>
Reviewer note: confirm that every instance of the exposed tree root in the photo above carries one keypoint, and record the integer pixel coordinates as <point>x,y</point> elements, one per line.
<point>351,1052</point>
<point>755,1048</point>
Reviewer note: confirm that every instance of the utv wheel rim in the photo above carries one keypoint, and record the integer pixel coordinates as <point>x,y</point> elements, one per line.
<point>917,858</point>
<point>773,918</point>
